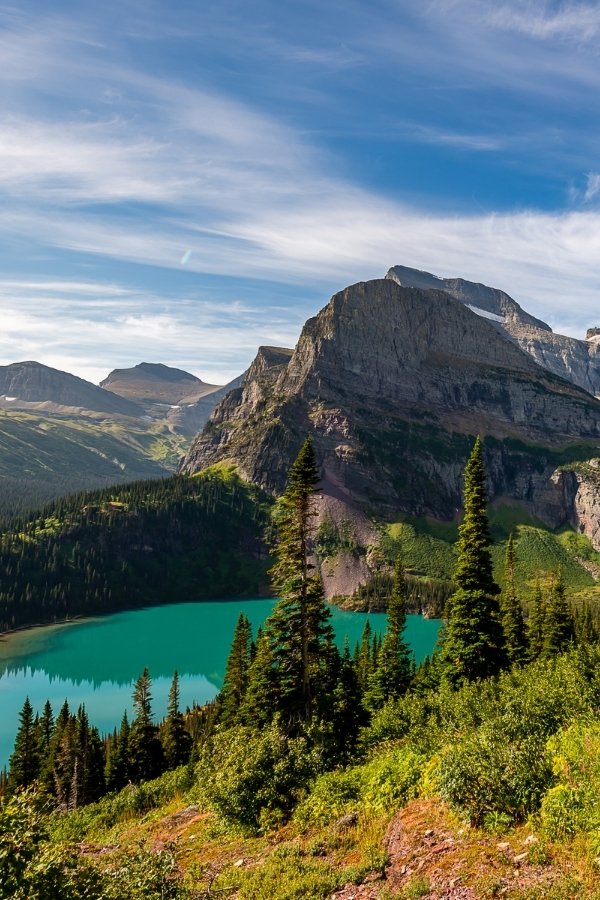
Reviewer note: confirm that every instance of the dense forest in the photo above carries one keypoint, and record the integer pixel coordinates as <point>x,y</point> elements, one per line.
<point>146,542</point>
<point>501,724</point>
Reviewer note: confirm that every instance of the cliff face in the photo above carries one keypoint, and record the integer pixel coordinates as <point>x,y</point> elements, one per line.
<point>576,361</point>
<point>393,383</point>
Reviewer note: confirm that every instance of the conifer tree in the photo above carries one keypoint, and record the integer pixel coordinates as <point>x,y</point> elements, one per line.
<point>535,621</point>
<point>558,631</point>
<point>261,696</point>
<point>175,739</point>
<point>364,657</point>
<point>393,673</point>
<point>235,682</point>
<point>299,630</point>
<point>473,641</point>
<point>24,766</point>
<point>513,624</point>
<point>145,751</point>
<point>347,714</point>
<point>117,762</point>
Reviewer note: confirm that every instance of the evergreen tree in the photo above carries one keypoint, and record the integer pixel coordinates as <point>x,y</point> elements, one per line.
<point>393,673</point>
<point>513,624</point>
<point>235,682</point>
<point>117,762</point>
<point>261,697</point>
<point>535,622</point>
<point>46,727</point>
<point>364,657</point>
<point>24,766</point>
<point>145,751</point>
<point>299,630</point>
<point>175,739</point>
<point>558,628</point>
<point>347,714</point>
<point>473,641</point>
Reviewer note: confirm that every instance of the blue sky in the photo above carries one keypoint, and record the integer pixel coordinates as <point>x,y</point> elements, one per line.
<point>180,183</point>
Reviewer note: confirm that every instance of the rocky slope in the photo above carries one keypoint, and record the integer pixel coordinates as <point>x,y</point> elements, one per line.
<point>577,361</point>
<point>182,400</point>
<point>393,382</point>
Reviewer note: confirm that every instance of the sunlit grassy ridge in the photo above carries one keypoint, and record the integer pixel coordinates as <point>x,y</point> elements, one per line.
<point>428,550</point>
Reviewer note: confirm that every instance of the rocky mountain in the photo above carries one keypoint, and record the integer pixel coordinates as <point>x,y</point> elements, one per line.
<point>153,383</point>
<point>577,361</point>
<point>184,401</point>
<point>394,382</point>
<point>33,386</point>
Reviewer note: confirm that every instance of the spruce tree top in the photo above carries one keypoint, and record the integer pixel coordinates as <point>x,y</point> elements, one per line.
<point>474,563</point>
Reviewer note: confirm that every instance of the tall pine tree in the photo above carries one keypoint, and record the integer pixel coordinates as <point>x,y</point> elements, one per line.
<point>558,631</point>
<point>175,739</point>
<point>235,682</point>
<point>24,765</point>
<point>299,630</point>
<point>145,750</point>
<point>473,641</point>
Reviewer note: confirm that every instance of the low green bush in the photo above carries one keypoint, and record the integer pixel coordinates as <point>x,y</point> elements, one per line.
<point>573,805</point>
<point>485,774</point>
<point>253,780</point>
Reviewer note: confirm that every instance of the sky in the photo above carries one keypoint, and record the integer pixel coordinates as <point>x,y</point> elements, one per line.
<point>182,182</point>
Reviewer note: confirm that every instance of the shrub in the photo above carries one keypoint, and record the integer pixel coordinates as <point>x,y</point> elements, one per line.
<point>332,795</point>
<point>389,780</point>
<point>573,805</point>
<point>252,779</point>
<point>485,774</point>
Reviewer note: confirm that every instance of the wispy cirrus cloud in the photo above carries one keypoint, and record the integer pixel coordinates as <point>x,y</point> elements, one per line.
<point>572,21</point>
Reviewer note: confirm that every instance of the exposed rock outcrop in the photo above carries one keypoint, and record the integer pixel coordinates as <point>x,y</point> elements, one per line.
<point>577,361</point>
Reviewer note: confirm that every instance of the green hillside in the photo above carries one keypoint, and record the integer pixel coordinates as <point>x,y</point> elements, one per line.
<point>44,457</point>
<point>145,542</point>
<point>428,549</point>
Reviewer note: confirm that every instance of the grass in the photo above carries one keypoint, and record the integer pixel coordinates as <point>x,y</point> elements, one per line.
<point>428,549</point>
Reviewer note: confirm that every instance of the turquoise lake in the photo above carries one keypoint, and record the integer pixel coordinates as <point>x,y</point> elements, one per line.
<point>96,661</point>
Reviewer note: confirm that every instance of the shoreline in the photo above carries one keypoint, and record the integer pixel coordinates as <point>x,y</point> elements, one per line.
<point>19,629</point>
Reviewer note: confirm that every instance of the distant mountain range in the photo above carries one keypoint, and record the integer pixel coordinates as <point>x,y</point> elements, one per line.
<point>60,433</point>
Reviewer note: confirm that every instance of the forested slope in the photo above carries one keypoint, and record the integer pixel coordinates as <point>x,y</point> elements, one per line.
<point>146,542</point>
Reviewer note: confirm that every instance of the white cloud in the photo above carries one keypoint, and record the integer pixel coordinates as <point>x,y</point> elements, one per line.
<point>592,187</point>
<point>579,21</point>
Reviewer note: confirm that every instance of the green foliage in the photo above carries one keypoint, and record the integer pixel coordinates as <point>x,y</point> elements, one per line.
<point>254,779</point>
<point>389,780</point>
<point>392,675</point>
<point>332,795</point>
<point>130,803</point>
<point>183,538</point>
<point>473,641</point>
<point>32,868</point>
<point>288,874</point>
<point>298,631</point>
<point>487,773</point>
<point>573,805</point>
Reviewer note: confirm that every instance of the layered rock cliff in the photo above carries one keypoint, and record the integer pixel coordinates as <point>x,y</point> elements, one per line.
<point>577,361</point>
<point>394,382</point>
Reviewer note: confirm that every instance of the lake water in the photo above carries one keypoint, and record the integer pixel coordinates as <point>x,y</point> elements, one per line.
<point>96,661</point>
